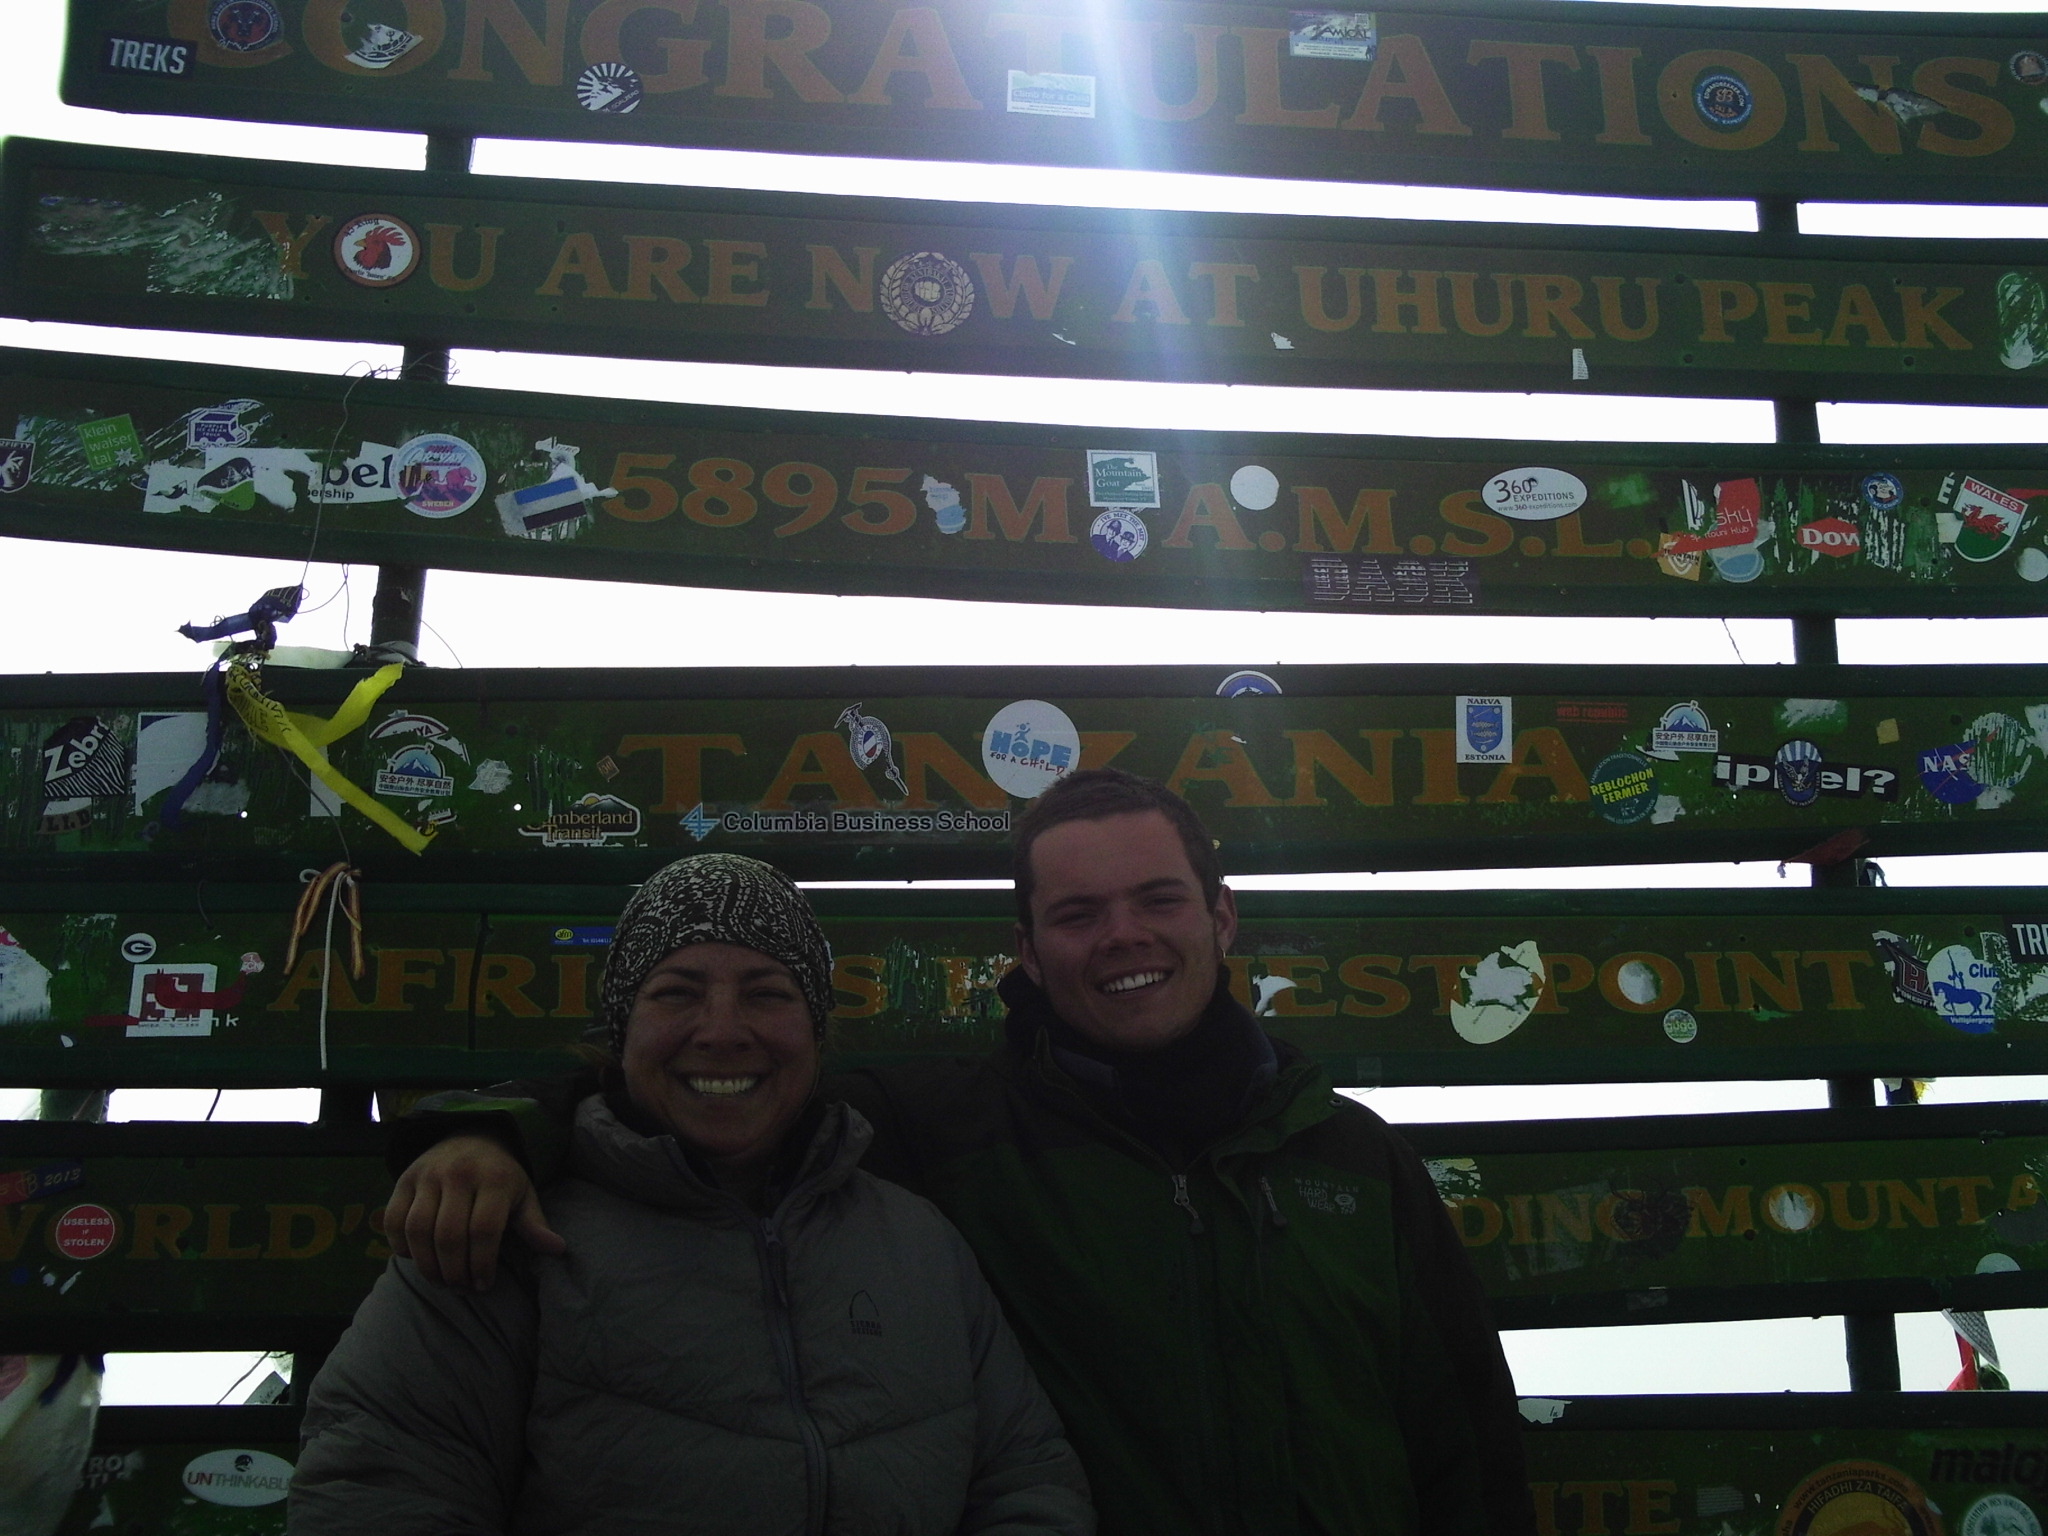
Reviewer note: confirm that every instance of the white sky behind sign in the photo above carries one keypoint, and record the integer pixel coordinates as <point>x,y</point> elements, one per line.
<point>79,608</point>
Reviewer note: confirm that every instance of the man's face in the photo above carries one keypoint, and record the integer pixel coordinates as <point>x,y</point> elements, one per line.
<point>1120,938</point>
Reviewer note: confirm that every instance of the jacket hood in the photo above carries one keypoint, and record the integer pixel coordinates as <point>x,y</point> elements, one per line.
<point>658,1170</point>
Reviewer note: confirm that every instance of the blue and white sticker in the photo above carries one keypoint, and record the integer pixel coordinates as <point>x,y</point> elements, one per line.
<point>2029,66</point>
<point>1123,477</point>
<point>1486,728</point>
<point>244,26</point>
<point>1051,95</point>
<point>1119,535</point>
<point>1798,766</point>
<point>220,426</point>
<point>1246,682</point>
<point>1724,100</point>
<point>1883,491</point>
<point>609,88</point>
<point>1352,35</point>
<point>438,475</point>
<point>1028,746</point>
<point>1965,989</point>
<point>1684,728</point>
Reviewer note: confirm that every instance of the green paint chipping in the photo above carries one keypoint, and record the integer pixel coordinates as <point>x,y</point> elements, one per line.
<point>1813,717</point>
<point>187,246</point>
<point>2022,321</point>
<point>1624,491</point>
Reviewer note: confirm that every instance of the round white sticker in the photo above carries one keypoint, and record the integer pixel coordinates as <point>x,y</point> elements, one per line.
<point>438,475</point>
<point>1029,745</point>
<point>1681,1027</point>
<point>1533,494</point>
<point>1255,487</point>
<point>2000,1514</point>
<point>240,1478</point>
<point>138,947</point>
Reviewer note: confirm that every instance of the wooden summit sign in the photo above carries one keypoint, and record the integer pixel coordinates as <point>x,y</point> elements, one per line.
<point>1588,98</point>
<point>847,773</point>
<point>167,241</point>
<point>239,462</point>
<point>153,985</point>
<point>144,1228</point>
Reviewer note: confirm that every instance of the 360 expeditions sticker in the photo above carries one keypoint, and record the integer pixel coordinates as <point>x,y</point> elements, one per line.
<point>1533,494</point>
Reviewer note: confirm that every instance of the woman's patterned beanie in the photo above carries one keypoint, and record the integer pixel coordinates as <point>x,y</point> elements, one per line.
<point>714,898</point>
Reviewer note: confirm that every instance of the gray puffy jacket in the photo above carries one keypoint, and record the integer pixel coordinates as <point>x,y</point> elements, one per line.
<point>689,1367</point>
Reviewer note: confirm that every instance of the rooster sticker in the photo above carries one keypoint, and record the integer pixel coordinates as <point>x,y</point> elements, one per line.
<point>376,250</point>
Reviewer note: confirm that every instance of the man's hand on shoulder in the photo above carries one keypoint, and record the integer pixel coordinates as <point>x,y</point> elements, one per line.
<point>449,1211</point>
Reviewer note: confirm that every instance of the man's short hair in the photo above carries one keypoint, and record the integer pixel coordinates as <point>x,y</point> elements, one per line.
<point>1093,794</point>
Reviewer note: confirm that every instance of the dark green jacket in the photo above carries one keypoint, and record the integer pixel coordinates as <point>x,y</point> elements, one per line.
<point>1283,1339</point>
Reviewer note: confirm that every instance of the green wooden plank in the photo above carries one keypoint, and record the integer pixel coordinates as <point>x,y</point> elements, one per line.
<point>242,462</point>
<point>1748,1476</point>
<point>270,1233</point>
<point>1648,1466</point>
<point>136,238</point>
<point>605,775</point>
<point>177,1472</point>
<point>1583,98</point>
<point>472,986</point>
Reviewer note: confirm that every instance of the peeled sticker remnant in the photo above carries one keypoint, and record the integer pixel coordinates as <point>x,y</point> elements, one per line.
<point>1496,996</point>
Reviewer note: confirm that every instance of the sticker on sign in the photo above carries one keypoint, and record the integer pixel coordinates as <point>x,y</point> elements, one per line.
<point>1533,494</point>
<point>84,1232</point>
<point>242,1479</point>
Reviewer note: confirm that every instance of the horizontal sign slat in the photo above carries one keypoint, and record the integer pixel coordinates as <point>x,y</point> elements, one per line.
<point>276,1229</point>
<point>592,776</point>
<point>240,462</point>
<point>188,243</point>
<point>1583,98</point>
<point>1648,1466</point>
<point>474,986</point>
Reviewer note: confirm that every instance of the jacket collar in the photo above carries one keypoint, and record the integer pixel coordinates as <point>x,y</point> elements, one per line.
<point>1285,1091</point>
<point>657,1170</point>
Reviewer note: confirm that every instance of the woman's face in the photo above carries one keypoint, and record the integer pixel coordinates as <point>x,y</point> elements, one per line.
<point>721,1049</point>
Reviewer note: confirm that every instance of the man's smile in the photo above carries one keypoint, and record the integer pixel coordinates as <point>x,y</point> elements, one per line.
<point>1133,982</point>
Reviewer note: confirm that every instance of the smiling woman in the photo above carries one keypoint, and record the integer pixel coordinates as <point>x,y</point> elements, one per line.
<point>737,1329</point>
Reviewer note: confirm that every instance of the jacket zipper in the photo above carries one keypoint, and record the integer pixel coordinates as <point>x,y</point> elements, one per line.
<point>1272,1205</point>
<point>1180,1198</point>
<point>775,1266</point>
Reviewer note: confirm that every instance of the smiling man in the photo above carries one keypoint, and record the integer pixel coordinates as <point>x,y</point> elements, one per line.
<point>1238,1287</point>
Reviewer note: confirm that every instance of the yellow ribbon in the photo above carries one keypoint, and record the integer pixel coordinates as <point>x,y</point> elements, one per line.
<point>307,738</point>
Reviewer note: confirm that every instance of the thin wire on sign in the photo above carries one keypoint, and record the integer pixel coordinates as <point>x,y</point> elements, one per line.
<point>216,1102</point>
<point>333,447</point>
<point>1731,643</point>
<point>444,641</point>
<point>261,1361</point>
